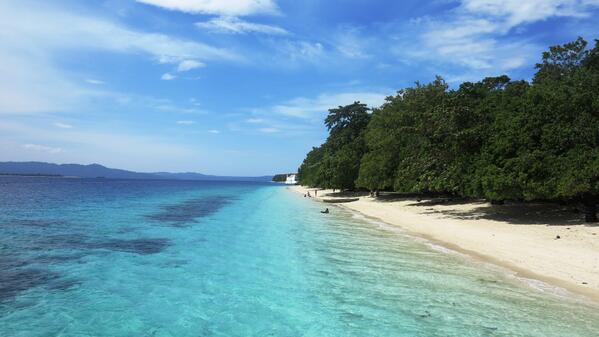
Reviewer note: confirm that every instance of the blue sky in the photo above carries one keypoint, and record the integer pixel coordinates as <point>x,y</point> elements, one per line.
<point>241,87</point>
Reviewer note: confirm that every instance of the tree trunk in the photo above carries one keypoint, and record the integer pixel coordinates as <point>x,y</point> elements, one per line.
<point>590,211</point>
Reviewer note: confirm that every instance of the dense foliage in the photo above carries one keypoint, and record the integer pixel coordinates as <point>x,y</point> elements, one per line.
<point>336,163</point>
<point>279,178</point>
<point>498,139</point>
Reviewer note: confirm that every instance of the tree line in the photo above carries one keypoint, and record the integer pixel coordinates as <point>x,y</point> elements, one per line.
<point>280,178</point>
<point>498,139</point>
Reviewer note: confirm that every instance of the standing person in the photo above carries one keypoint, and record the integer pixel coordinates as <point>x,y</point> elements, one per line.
<point>315,193</point>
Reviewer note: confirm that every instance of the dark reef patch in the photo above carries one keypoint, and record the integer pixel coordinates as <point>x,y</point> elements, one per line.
<point>17,276</point>
<point>179,215</point>
<point>66,240</point>
<point>138,246</point>
<point>59,258</point>
<point>35,223</point>
<point>142,246</point>
<point>19,273</point>
<point>62,241</point>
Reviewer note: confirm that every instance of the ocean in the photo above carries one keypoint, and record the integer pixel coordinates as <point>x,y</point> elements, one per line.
<point>101,257</point>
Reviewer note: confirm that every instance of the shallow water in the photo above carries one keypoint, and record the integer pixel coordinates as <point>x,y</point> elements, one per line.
<point>168,258</point>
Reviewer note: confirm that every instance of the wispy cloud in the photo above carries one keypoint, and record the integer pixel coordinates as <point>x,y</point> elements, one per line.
<point>44,28</point>
<point>269,130</point>
<point>63,125</point>
<point>235,25</point>
<point>96,82</point>
<point>213,131</point>
<point>164,105</point>
<point>474,35</point>
<point>512,13</point>
<point>187,65</point>
<point>294,51</point>
<point>185,122</point>
<point>30,41</point>
<point>220,7</point>
<point>351,43</point>
<point>302,115</point>
<point>302,107</point>
<point>42,148</point>
<point>167,77</point>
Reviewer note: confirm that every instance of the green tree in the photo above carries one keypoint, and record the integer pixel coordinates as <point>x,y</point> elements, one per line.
<point>544,139</point>
<point>345,144</point>
<point>565,95</point>
<point>337,162</point>
<point>496,138</point>
<point>310,173</point>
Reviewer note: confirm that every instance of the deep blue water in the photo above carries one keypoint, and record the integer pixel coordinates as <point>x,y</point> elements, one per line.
<point>176,258</point>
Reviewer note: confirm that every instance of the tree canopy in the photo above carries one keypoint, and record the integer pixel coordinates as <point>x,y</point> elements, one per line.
<point>497,139</point>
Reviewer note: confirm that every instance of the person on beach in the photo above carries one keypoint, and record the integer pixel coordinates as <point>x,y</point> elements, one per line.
<point>315,193</point>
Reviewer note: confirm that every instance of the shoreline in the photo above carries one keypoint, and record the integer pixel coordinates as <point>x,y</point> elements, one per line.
<point>528,249</point>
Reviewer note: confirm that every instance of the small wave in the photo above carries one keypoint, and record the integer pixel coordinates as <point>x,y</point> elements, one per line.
<point>442,249</point>
<point>544,287</point>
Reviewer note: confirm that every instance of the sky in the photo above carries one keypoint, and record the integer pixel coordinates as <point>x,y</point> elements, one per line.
<point>241,87</point>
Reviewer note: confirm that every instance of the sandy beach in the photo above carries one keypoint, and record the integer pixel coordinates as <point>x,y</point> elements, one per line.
<point>522,238</point>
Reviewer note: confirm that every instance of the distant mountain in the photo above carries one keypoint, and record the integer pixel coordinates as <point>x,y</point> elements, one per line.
<point>97,170</point>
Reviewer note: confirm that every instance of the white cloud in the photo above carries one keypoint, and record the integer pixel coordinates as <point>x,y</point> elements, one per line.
<point>42,148</point>
<point>302,107</point>
<point>185,122</point>
<point>45,29</point>
<point>96,82</point>
<point>352,44</point>
<point>188,65</point>
<point>474,34</point>
<point>516,12</point>
<point>31,41</point>
<point>220,7</point>
<point>294,50</point>
<point>269,130</point>
<point>214,131</point>
<point>142,102</point>
<point>471,43</point>
<point>234,25</point>
<point>167,77</point>
<point>254,120</point>
<point>63,125</point>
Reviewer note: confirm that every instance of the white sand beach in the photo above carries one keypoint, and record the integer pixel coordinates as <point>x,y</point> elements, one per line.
<point>522,238</point>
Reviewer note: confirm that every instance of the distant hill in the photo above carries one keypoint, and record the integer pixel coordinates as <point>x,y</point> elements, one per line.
<point>97,170</point>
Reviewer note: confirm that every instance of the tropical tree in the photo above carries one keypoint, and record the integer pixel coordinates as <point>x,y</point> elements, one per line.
<point>497,139</point>
<point>337,162</point>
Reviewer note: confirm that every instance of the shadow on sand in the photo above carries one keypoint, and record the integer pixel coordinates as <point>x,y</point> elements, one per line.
<point>516,213</point>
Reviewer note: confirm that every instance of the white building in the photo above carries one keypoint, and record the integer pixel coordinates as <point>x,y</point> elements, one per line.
<point>290,179</point>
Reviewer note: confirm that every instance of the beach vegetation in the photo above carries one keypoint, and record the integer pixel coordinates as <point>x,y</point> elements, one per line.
<point>498,139</point>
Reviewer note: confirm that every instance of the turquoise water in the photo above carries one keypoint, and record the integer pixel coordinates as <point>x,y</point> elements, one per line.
<point>160,258</point>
